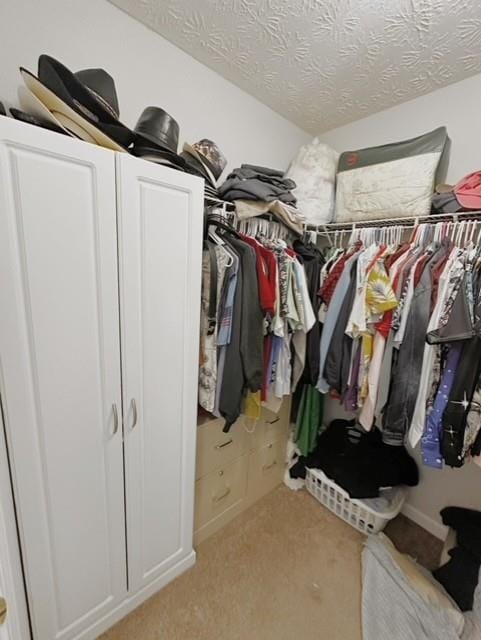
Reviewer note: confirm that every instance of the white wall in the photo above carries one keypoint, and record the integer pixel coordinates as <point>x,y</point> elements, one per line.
<point>457,107</point>
<point>148,70</point>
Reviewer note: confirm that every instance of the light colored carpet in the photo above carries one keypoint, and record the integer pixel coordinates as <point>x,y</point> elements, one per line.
<point>284,569</point>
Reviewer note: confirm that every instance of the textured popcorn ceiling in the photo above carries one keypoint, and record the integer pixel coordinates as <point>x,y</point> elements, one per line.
<point>323,63</point>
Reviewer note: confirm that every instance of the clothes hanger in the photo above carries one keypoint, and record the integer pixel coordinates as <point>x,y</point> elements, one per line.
<point>471,232</point>
<point>457,235</point>
<point>214,219</point>
<point>478,239</point>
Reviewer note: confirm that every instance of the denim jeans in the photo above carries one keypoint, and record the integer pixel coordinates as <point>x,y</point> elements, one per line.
<point>407,369</point>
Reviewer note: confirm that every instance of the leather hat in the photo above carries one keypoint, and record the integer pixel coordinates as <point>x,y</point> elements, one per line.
<point>209,154</point>
<point>158,155</point>
<point>156,127</point>
<point>85,102</point>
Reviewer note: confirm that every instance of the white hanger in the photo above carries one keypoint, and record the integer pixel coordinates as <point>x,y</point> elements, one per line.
<point>478,240</point>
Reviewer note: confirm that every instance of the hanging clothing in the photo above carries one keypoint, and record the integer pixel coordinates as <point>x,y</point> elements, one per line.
<point>225,324</point>
<point>249,338</point>
<point>460,398</point>
<point>338,358</point>
<point>386,313</point>
<point>257,314</point>
<point>407,368</point>
<point>309,419</point>
<point>312,260</point>
<point>431,440</point>
<point>330,322</point>
<point>429,355</point>
<point>214,265</point>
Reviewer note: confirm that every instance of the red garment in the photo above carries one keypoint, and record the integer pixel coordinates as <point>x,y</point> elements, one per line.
<point>390,260</point>
<point>405,270</point>
<point>327,290</point>
<point>418,270</point>
<point>384,325</point>
<point>378,255</point>
<point>266,266</point>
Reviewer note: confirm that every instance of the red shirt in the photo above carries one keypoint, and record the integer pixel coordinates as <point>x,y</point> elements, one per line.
<point>266,265</point>
<point>327,290</point>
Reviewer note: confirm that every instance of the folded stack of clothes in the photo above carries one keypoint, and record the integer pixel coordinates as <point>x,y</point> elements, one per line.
<point>358,461</point>
<point>257,191</point>
<point>250,182</point>
<point>460,576</point>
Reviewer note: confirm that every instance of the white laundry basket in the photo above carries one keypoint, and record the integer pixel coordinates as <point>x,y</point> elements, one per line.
<point>358,513</point>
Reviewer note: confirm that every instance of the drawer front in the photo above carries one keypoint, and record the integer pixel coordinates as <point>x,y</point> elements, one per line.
<point>266,469</point>
<point>271,427</point>
<point>216,449</point>
<point>220,491</point>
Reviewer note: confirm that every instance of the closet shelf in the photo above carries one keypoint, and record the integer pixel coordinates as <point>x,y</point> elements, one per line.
<point>405,221</point>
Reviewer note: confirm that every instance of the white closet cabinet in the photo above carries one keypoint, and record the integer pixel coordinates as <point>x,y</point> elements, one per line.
<point>160,274</point>
<point>97,374</point>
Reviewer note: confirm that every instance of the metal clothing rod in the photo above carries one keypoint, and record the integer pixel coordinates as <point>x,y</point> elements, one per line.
<point>384,222</point>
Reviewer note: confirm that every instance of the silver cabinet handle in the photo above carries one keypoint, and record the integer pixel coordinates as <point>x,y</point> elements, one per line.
<point>266,467</point>
<point>133,404</point>
<point>3,610</point>
<point>222,495</point>
<point>116,418</point>
<point>224,444</point>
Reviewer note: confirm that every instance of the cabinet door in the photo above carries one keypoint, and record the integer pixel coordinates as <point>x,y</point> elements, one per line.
<point>12,588</point>
<point>60,374</point>
<point>160,236</point>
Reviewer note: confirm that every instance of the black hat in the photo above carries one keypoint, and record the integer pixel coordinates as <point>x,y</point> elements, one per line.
<point>85,101</point>
<point>158,155</point>
<point>18,114</point>
<point>156,127</point>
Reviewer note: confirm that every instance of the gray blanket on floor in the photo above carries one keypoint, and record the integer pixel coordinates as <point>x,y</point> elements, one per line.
<point>393,610</point>
<point>472,626</point>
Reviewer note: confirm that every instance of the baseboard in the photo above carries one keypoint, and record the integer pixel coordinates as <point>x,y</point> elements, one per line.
<point>435,528</point>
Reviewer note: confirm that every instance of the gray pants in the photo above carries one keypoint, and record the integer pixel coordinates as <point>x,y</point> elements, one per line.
<point>406,373</point>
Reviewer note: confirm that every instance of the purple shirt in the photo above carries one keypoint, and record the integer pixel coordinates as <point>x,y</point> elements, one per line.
<point>431,440</point>
<point>350,399</point>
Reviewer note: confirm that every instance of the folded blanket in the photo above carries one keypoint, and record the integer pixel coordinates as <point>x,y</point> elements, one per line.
<point>472,625</point>
<point>400,600</point>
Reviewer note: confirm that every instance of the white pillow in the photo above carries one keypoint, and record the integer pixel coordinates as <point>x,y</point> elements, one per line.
<point>391,181</point>
<point>314,172</point>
